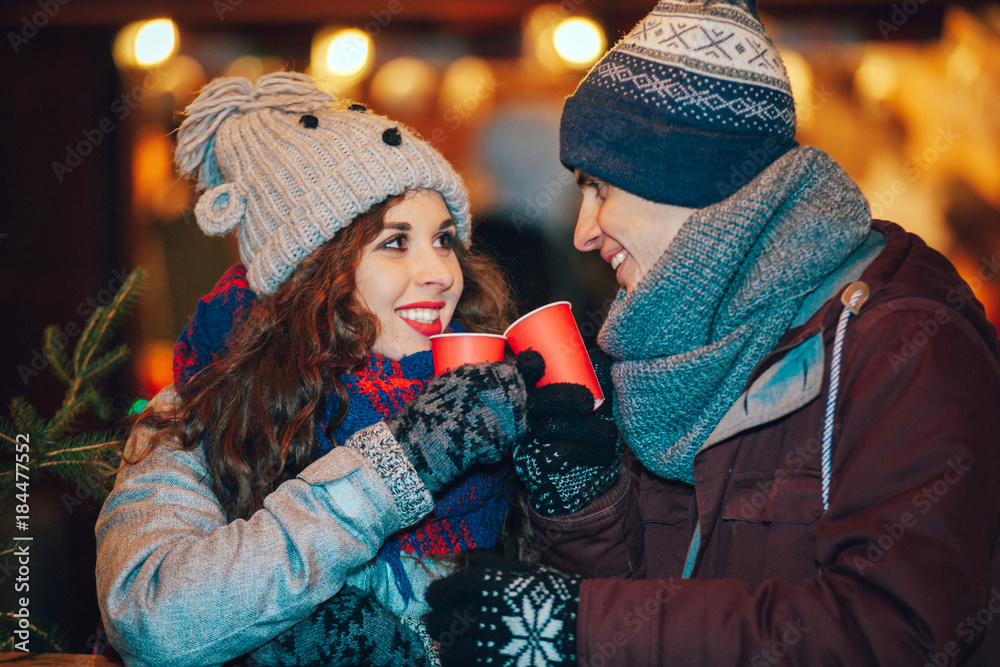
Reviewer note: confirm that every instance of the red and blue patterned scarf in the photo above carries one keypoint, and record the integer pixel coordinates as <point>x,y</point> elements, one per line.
<point>467,517</point>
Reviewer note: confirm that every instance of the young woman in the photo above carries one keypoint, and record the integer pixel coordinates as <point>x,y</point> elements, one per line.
<point>305,478</point>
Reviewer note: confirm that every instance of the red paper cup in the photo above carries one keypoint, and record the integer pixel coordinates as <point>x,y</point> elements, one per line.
<point>552,332</point>
<point>457,349</point>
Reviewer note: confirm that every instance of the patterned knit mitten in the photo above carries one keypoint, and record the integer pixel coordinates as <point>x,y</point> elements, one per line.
<point>501,612</point>
<point>571,454</point>
<point>351,628</point>
<point>473,414</point>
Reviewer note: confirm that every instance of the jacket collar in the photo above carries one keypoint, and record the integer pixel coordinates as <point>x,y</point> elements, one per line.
<point>796,378</point>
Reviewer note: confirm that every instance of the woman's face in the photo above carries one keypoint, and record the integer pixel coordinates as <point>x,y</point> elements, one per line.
<point>409,277</point>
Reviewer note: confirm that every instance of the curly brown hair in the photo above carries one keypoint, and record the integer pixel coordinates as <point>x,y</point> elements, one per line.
<point>256,409</point>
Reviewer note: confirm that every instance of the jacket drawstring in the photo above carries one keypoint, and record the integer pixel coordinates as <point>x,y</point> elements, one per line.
<point>853,298</point>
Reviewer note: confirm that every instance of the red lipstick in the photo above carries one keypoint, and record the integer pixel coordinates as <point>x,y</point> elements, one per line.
<point>423,328</point>
<point>422,304</point>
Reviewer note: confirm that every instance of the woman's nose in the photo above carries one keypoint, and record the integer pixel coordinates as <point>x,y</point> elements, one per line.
<point>435,271</point>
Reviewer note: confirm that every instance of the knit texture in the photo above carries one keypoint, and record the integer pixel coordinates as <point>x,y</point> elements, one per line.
<point>287,165</point>
<point>205,339</point>
<point>504,613</point>
<point>689,334</point>
<point>469,515</point>
<point>471,415</point>
<point>351,628</point>
<point>687,108</point>
<point>571,454</point>
<point>412,498</point>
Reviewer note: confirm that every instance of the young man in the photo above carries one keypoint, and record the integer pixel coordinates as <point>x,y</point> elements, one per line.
<point>803,481</point>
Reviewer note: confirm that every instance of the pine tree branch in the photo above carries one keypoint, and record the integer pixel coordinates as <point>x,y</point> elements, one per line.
<point>55,353</point>
<point>10,623</point>
<point>8,548</point>
<point>68,416</point>
<point>101,445</point>
<point>105,365</point>
<point>8,434</point>
<point>88,460</point>
<point>84,340</point>
<point>107,317</point>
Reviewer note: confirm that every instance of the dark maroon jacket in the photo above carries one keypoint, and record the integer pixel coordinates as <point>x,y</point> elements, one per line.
<point>902,569</point>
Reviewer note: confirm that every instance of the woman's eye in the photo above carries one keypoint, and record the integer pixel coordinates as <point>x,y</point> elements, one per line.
<point>397,242</point>
<point>446,240</point>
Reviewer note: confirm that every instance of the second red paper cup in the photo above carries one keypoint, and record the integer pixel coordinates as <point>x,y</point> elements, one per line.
<point>457,349</point>
<point>552,332</point>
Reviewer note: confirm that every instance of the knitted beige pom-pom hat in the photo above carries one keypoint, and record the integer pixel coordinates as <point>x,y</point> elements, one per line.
<point>288,165</point>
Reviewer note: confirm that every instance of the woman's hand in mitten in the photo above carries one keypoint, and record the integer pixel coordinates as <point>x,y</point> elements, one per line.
<point>571,454</point>
<point>473,414</point>
<point>351,628</point>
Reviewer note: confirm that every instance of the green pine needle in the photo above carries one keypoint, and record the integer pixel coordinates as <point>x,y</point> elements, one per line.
<point>55,353</point>
<point>102,367</point>
<point>86,460</point>
<point>49,642</point>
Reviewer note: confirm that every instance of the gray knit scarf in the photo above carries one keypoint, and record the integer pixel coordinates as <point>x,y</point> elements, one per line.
<point>689,334</point>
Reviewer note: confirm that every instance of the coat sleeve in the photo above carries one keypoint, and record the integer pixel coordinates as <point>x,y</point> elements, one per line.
<point>603,539</point>
<point>903,555</point>
<point>178,584</point>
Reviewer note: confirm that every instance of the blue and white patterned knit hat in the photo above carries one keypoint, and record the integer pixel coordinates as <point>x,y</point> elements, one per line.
<point>685,109</point>
<point>287,166</point>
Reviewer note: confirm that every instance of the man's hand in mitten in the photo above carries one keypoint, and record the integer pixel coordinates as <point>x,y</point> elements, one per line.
<point>504,613</point>
<point>571,454</point>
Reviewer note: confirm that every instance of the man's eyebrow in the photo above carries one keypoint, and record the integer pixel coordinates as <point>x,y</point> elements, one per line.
<point>582,177</point>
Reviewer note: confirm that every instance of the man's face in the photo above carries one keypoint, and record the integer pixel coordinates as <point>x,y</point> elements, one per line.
<point>630,232</point>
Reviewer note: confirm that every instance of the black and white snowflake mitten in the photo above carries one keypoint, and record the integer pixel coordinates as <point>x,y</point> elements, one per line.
<point>504,613</point>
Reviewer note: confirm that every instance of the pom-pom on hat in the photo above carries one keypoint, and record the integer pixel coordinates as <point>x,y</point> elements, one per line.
<point>686,109</point>
<point>287,166</point>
